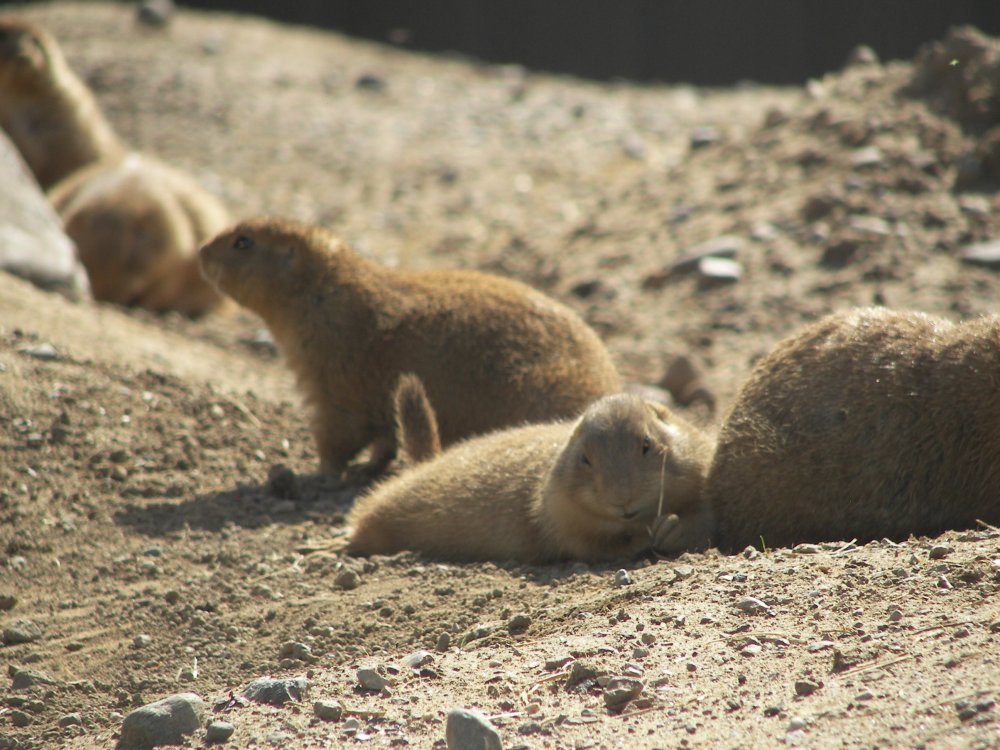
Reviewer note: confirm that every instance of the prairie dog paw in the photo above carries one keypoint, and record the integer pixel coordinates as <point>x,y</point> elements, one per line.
<point>668,534</point>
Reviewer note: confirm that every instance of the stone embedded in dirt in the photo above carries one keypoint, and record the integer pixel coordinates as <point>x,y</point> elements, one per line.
<point>862,55</point>
<point>21,631</point>
<point>296,650</point>
<point>20,719</point>
<point>7,602</point>
<point>944,583</point>
<point>839,253</point>
<point>443,642</point>
<point>807,549</point>
<point>620,691</point>
<point>870,225</point>
<point>219,731</point>
<point>142,640</point>
<point>869,156</point>
<point>468,729</point>
<point>372,678</point>
<point>418,659</point>
<point>283,483</point>
<point>328,710</point>
<point>704,136</point>
<point>725,246</point>
<point>45,352</point>
<point>940,551</point>
<point>753,606</point>
<point>22,679</point>
<point>986,254</point>
<point>348,580</point>
<point>895,615</point>
<point>551,665</point>
<point>70,720</point>
<point>806,687</point>
<point>714,271</point>
<point>155,13</point>
<point>581,672</point>
<point>622,578</point>
<point>277,692</point>
<point>165,722</point>
<point>518,623</point>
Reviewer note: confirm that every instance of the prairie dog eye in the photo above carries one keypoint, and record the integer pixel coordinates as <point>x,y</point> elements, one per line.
<point>646,445</point>
<point>242,243</point>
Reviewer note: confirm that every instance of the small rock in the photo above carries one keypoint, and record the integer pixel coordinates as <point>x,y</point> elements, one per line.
<point>7,602</point>
<point>142,640</point>
<point>328,710</point>
<point>812,648</point>
<point>295,650</point>
<point>347,580</point>
<point>751,553</point>
<point>622,578</point>
<point>725,246</point>
<point>713,271</point>
<point>683,571</point>
<point>751,650</point>
<point>704,136</point>
<point>940,551</point>
<point>870,156</point>
<point>944,583</point>
<point>986,254</point>
<point>45,352</point>
<point>70,720</point>
<point>418,659</point>
<point>26,678</point>
<point>581,672</point>
<point>370,82</point>
<point>282,482</point>
<point>518,623</point>
<point>155,13</point>
<point>219,731</point>
<point>277,692</point>
<point>806,687</point>
<point>620,691</point>
<point>443,642</point>
<point>865,695</point>
<point>165,722</point>
<point>797,723</point>
<point>551,665</point>
<point>20,718</point>
<point>839,253</point>
<point>806,549</point>
<point>895,615</point>
<point>469,730</point>
<point>753,606</point>
<point>21,631</point>
<point>870,225</point>
<point>974,205</point>
<point>369,678</point>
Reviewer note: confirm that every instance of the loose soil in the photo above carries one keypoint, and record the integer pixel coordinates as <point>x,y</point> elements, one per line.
<point>157,474</point>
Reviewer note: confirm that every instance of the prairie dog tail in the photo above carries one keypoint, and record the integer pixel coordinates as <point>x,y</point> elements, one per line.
<point>416,424</point>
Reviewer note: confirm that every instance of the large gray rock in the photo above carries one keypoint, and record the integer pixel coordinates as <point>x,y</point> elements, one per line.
<point>165,722</point>
<point>32,242</point>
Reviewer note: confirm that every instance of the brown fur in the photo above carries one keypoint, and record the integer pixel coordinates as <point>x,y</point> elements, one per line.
<point>416,424</point>
<point>49,113</point>
<point>491,352</point>
<point>867,424</point>
<point>138,224</point>
<point>588,489</point>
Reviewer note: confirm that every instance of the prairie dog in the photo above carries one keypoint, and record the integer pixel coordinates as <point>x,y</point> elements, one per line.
<point>491,352</point>
<point>416,424</point>
<point>588,489</point>
<point>137,224</point>
<point>867,424</point>
<point>48,112</point>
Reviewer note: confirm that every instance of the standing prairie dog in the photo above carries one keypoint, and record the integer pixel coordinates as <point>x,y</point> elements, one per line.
<point>491,352</point>
<point>595,488</point>
<point>48,112</point>
<point>867,424</point>
<point>137,223</point>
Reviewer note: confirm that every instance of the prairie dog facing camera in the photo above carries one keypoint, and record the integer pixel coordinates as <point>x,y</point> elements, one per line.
<point>491,352</point>
<point>48,112</point>
<point>592,489</point>
<point>869,423</point>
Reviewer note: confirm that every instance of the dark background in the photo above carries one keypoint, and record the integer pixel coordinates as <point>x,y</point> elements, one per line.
<point>705,42</point>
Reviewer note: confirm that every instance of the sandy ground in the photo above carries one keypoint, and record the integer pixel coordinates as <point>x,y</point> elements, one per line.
<point>141,482</point>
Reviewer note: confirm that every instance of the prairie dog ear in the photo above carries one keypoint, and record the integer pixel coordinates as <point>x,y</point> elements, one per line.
<point>660,411</point>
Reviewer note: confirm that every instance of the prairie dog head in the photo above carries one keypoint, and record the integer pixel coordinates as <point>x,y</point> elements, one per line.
<point>29,57</point>
<point>626,458</point>
<point>256,259</point>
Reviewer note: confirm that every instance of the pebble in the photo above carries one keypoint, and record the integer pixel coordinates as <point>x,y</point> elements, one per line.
<point>295,650</point>
<point>806,687</point>
<point>704,136</point>
<point>753,606</point>
<point>370,679</point>
<point>277,692</point>
<point>620,691</point>
<point>45,352</point>
<point>219,731</point>
<point>724,246</point>
<point>142,640</point>
<point>347,580</point>
<point>622,578</point>
<point>283,483</point>
<point>895,615</point>
<point>870,225</point>
<point>467,729</point>
<point>70,720</point>
<point>812,648</point>
<point>944,583</point>
<point>940,551</point>
<point>20,718</point>
<point>797,723</point>
<point>870,156</point>
<point>684,571</point>
<point>986,254</point>
<point>165,722</point>
<point>443,642</point>
<point>418,659</point>
<point>7,602</point>
<point>328,710</point>
<point>865,695</point>
<point>580,672</point>
<point>712,271</point>
<point>21,631</point>
<point>518,623</point>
